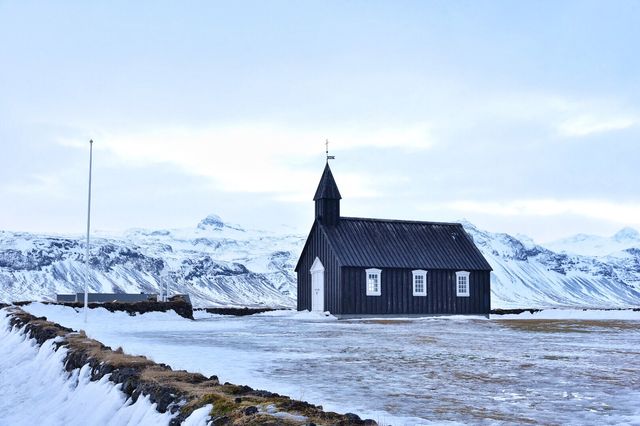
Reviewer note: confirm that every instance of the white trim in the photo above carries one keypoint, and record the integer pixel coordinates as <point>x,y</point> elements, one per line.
<point>317,286</point>
<point>459,284</point>
<point>317,266</point>
<point>423,275</point>
<point>373,281</point>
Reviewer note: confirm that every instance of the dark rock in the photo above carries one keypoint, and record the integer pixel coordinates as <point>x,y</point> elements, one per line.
<point>353,418</point>
<point>238,311</point>
<point>221,421</point>
<point>242,390</point>
<point>513,311</point>
<point>250,411</point>
<point>238,400</point>
<point>264,394</point>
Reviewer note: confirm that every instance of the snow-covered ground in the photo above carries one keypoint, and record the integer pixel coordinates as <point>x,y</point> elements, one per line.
<point>36,390</point>
<point>418,371</point>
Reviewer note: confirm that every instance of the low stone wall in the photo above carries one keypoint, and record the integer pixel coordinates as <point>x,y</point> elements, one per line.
<point>531,311</point>
<point>178,303</point>
<point>513,311</point>
<point>240,312</point>
<point>178,392</point>
<point>181,307</point>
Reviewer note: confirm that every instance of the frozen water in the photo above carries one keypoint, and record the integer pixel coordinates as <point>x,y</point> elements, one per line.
<point>418,371</point>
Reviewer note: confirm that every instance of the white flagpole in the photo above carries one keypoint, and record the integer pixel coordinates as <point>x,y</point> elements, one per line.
<point>86,260</point>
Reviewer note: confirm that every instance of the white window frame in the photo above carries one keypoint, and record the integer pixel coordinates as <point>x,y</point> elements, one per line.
<point>422,274</point>
<point>371,289</point>
<point>465,275</point>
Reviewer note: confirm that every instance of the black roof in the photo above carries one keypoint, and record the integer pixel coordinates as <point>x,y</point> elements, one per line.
<point>384,243</point>
<point>327,188</point>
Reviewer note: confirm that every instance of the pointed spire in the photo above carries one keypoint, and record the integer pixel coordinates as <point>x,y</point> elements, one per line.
<point>327,188</point>
<point>327,199</point>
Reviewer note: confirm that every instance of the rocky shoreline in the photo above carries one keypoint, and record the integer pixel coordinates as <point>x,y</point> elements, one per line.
<point>179,392</point>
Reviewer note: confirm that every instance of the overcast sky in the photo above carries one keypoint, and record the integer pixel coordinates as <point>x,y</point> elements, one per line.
<point>521,117</point>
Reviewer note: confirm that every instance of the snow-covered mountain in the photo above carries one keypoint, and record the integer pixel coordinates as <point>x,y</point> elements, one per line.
<point>595,245</point>
<point>217,263</point>
<point>528,275</point>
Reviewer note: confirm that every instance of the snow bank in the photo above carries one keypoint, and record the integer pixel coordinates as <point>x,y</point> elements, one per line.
<point>37,390</point>
<point>199,416</point>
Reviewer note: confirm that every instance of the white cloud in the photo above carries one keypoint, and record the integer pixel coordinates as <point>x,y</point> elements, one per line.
<point>588,125</point>
<point>258,157</point>
<point>628,213</point>
<point>568,117</point>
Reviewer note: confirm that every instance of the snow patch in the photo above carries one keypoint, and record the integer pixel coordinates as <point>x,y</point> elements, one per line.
<point>37,390</point>
<point>199,417</point>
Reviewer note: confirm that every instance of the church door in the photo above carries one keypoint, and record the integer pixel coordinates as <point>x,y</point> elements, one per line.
<point>317,286</point>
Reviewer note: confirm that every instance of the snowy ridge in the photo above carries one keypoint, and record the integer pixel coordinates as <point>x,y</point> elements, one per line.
<point>595,245</point>
<point>528,275</point>
<point>217,263</point>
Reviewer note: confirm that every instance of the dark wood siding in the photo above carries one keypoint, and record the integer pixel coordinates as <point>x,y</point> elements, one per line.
<point>397,293</point>
<point>328,211</point>
<point>318,246</point>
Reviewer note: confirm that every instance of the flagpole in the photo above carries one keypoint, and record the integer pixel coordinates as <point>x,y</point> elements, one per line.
<point>86,259</point>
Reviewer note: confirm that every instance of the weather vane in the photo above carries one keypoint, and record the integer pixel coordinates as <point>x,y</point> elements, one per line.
<point>329,157</point>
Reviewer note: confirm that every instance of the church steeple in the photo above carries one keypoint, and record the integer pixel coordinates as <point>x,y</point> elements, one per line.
<point>327,199</point>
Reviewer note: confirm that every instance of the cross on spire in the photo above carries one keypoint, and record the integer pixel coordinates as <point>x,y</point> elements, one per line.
<point>329,157</point>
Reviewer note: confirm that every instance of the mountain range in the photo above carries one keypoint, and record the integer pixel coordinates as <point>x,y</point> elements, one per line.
<point>222,264</point>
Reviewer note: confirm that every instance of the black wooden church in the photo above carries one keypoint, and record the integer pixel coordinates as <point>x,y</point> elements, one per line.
<point>353,266</point>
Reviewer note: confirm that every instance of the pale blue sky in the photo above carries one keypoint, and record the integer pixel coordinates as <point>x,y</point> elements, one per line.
<point>521,117</point>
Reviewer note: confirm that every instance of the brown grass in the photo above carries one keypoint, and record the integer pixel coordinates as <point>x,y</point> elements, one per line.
<point>223,405</point>
<point>191,383</point>
<point>41,323</point>
<point>95,349</point>
<point>568,326</point>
